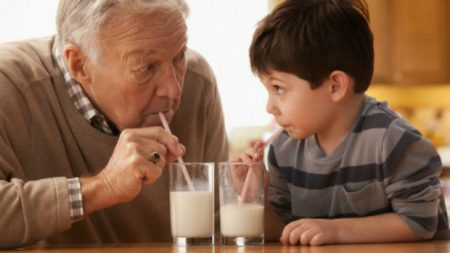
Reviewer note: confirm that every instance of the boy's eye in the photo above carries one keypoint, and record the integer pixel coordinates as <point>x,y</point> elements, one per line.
<point>279,90</point>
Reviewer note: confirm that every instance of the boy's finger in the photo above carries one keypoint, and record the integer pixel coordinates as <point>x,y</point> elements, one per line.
<point>317,239</point>
<point>285,234</point>
<point>183,148</point>
<point>287,231</point>
<point>236,159</point>
<point>246,159</point>
<point>258,145</point>
<point>306,236</point>
<point>249,152</point>
<point>257,156</point>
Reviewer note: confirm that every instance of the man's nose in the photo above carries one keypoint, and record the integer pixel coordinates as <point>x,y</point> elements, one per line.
<point>169,83</point>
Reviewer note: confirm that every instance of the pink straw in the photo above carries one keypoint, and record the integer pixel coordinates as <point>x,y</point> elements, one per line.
<point>179,159</point>
<point>247,178</point>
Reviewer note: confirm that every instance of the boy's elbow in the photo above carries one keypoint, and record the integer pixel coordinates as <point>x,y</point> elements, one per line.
<point>420,230</point>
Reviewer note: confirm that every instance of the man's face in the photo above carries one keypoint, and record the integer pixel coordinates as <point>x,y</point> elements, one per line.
<point>141,68</point>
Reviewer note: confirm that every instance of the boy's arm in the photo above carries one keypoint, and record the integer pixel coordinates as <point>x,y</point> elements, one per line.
<point>278,202</point>
<point>388,227</point>
<point>411,177</point>
<point>278,192</point>
<point>410,168</point>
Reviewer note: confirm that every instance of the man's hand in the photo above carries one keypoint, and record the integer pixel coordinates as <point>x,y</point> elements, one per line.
<point>129,168</point>
<point>309,232</point>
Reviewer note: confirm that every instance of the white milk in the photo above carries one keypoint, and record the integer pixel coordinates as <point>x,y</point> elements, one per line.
<point>245,220</point>
<point>191,214</point>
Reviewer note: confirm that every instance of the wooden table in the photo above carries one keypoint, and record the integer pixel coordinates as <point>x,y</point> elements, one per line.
<point>421,247</point>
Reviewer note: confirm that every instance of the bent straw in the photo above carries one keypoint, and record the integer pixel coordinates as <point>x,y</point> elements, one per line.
<point>249,175</point>
<point>179,159</point>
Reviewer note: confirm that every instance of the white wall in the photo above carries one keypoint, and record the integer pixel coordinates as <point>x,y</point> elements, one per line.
<point>219,29</point>
<point>222,32</point>
<point>21,19</point>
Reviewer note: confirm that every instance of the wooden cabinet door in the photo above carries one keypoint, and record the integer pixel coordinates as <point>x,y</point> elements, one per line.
<point>411,40</point>
<point>420,41</point>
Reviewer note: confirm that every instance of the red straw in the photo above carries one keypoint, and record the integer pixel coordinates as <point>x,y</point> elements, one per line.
<point>247,178</point>
<point>180,160</point>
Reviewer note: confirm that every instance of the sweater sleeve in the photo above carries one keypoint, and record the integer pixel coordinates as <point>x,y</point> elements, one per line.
<point>216,148</point>
<point>32,211</point>
<point>412,168</point>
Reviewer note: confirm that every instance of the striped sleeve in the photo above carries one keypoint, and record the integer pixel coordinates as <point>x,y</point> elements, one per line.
<point>279,195</point>
<point>412,168</point>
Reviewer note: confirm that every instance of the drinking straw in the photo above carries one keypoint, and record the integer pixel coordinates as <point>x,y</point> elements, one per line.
<point>179,159</point>
<point>247,178</point>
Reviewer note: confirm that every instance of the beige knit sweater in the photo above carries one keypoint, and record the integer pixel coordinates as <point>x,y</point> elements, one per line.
<point>44,140</point>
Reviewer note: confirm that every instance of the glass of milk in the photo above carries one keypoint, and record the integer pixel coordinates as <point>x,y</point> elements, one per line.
<point>241,203</point>
<point>192,207</point>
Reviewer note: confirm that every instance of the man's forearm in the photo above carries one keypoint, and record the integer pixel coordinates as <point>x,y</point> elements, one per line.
<point>387,227</point>
<point>95,194</point>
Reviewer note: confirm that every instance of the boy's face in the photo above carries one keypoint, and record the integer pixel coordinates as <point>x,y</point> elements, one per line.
<point>300,110</point>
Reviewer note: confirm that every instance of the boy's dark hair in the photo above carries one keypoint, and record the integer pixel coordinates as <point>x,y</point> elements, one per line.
<point>312,38</point>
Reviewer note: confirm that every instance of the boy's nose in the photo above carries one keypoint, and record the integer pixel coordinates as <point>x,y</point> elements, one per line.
<point>271,108</point>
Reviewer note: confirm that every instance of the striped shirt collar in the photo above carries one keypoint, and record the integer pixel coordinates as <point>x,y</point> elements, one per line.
<point>80,99</point>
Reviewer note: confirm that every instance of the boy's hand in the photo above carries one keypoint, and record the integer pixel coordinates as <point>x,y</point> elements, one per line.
<point>309,232</point>
<point>252,154</point>
<point>239,173</point>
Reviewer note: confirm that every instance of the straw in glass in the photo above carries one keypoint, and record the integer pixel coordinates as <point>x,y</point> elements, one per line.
<point>247,178</point>
<point>179,158</point>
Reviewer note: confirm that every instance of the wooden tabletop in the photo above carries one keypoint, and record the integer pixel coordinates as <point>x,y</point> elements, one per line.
<point>421,247</point>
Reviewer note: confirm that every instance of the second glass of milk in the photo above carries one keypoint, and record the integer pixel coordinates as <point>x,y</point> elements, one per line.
<point>192,206</point>
<point>241,203</point>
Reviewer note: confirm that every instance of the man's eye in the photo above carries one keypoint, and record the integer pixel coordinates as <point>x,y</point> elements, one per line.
<point>146,68</point>
<point>180,57</point>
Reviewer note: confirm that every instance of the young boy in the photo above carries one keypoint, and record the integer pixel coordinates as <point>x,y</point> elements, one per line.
<point>347,169</point>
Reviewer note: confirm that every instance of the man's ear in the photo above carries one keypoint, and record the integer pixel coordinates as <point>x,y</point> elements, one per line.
<point>340,85</point>
<point>77,63</point>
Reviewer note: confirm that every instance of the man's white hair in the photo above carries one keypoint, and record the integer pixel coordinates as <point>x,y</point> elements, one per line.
<point>80,21</point>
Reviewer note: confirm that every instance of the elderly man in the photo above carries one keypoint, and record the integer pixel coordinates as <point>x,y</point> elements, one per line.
<point>79,118</point>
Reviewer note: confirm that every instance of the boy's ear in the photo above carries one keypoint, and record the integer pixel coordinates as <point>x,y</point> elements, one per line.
<point>340,84</point>
<point>77,64</point>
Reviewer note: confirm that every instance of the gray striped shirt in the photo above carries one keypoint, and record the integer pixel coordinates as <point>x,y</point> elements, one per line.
<point>384,165</point>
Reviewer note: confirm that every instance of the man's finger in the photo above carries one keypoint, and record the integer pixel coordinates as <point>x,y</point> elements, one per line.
<point>160,135</point>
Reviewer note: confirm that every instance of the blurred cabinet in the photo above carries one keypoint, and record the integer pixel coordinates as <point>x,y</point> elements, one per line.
<point>411,40</point>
